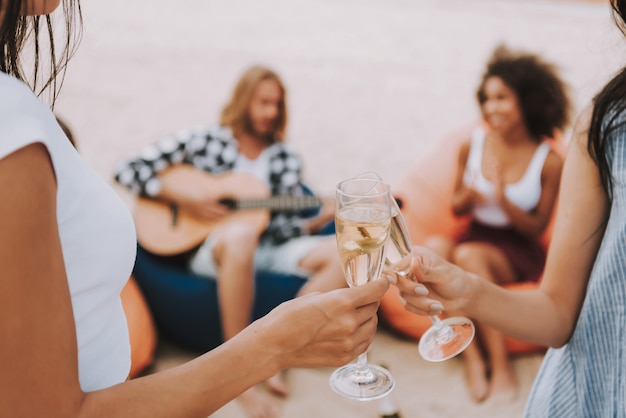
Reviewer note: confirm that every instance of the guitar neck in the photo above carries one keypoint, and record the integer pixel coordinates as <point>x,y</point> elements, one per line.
<point>275,203</point>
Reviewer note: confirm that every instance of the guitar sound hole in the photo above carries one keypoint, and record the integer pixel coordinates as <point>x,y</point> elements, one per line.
<point>228,202</point>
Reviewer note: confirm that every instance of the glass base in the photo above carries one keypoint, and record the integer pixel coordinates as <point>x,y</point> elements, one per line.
<point>445,342</point>
<point>367,384</point>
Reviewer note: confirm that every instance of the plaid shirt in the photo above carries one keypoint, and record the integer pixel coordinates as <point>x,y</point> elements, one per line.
<point>215,150</point>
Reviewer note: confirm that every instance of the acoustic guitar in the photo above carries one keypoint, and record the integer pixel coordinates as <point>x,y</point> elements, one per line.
<point>166,229</point>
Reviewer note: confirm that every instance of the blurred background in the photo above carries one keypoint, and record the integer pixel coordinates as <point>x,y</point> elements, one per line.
<point>371,83</point>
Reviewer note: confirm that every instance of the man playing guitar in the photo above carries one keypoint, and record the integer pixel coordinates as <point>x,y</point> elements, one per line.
<point>242,157</point>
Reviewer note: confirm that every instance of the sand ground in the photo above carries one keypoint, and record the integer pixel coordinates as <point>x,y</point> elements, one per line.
<point>372,85</point>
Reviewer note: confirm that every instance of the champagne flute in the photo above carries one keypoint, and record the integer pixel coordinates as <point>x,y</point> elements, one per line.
<point>445,338</point>
<point>362,229</point>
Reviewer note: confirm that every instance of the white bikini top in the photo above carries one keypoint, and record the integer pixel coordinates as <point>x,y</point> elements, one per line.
<point>524,194</point>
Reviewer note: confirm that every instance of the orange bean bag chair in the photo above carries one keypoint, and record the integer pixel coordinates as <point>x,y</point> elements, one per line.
<point>426,192</point>
<point>141,328</point>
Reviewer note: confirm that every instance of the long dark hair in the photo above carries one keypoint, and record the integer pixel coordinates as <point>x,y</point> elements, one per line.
<point>18,32</point>
<point>608,105</point>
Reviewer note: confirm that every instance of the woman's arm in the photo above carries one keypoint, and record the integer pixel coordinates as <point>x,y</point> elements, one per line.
<point>547,315</point>
<point>38,353</point>
<point>327,329</point>
<point>464,197</point>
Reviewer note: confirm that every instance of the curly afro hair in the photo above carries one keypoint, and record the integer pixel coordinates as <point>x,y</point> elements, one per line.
<point>543,97</point>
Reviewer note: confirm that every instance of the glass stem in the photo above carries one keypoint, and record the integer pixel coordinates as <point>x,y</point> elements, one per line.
<point>363,374</point>
<point>443,333</point>
<point>436,322</point>
<point>361,362</point>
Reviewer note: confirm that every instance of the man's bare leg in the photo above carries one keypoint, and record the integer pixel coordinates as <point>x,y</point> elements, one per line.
<point>325,266</point>
<point>234,255</point>
<point>326,274</point>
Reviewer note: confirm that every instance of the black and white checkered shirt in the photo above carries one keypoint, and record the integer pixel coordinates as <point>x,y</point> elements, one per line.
<point>215,150</point>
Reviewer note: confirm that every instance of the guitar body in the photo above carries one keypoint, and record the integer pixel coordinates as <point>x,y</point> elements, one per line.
<point>165,230</point>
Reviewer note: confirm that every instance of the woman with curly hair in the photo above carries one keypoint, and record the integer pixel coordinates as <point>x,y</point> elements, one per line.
<point>507,182</point>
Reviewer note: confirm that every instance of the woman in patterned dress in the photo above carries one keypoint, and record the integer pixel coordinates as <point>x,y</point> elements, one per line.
<point>580,306</point>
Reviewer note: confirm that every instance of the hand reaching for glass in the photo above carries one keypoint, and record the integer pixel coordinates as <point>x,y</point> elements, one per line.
<point>432,280</point>
<point>444,339</point>
<point>370,233</point>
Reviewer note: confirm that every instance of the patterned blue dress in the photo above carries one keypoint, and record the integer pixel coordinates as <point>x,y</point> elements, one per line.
<point>587,377</point>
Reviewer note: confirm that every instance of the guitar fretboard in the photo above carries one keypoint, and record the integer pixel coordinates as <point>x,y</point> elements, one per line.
<point>275,203</point>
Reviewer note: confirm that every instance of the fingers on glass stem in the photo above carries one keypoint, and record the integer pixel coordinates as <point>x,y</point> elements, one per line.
<point>436,308</point>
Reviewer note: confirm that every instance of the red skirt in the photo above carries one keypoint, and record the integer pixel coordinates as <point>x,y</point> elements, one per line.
<point>527,256</point>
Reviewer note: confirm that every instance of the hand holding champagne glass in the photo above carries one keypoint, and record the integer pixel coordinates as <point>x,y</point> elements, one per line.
<point>362,229</point>
<point>444,339</point>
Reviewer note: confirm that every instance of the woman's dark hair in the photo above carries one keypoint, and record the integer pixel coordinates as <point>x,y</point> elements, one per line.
<point>543,97</point>
<point>608,106</point>
<point>19,32</point>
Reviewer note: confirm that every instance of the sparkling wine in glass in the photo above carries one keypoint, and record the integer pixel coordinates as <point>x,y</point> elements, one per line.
<point>362,229</point>
<point>445,338</point>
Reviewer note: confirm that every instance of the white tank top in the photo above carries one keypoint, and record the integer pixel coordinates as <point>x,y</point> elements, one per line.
<point>96,231</point>
<point>524,194</point>
<point>259,167</point>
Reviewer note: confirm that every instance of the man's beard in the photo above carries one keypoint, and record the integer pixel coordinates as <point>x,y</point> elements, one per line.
<point>266,137</point>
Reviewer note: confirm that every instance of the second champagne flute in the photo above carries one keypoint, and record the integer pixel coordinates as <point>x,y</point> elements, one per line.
<point>445,338</point>
<point>362,229</point>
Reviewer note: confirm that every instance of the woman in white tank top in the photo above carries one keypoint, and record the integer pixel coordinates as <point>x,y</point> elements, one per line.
<point>507,182</point>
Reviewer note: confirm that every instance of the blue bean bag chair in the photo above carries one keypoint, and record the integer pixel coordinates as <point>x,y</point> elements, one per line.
<point>185,306</point>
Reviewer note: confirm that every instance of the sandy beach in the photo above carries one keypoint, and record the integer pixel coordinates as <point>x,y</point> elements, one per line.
<point>372,85</point>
